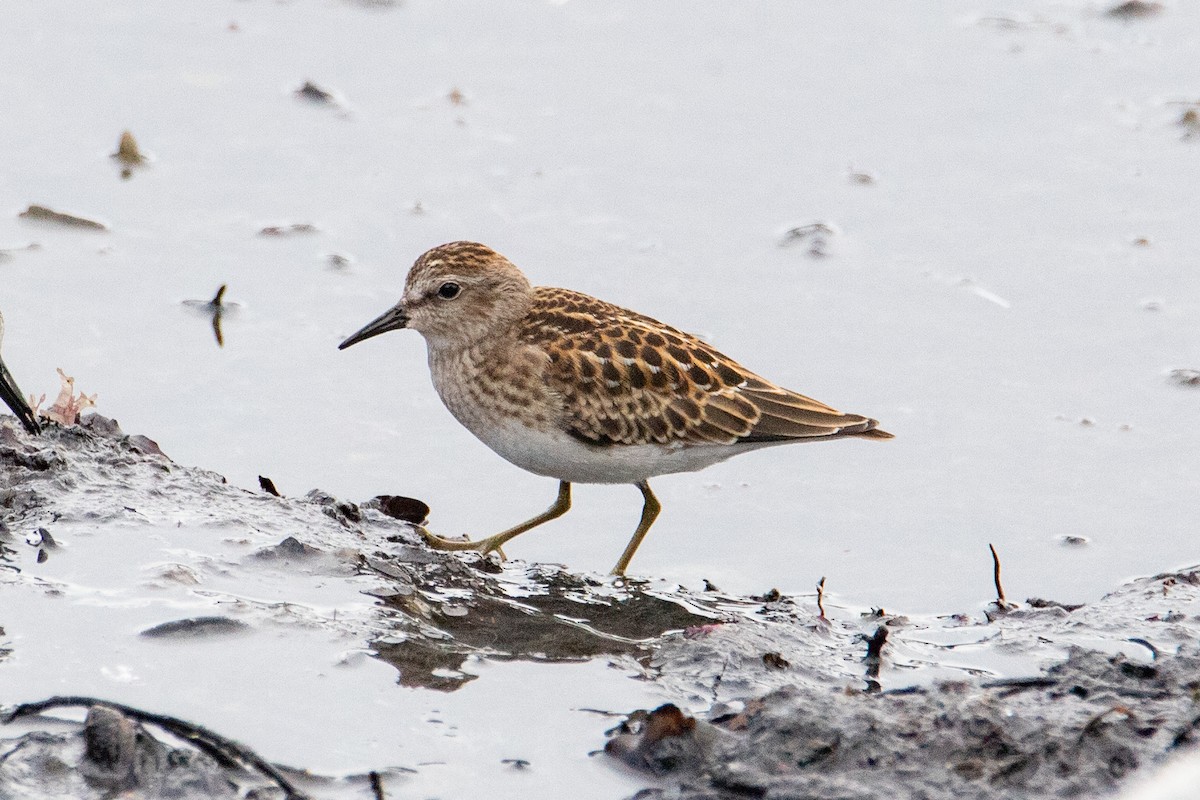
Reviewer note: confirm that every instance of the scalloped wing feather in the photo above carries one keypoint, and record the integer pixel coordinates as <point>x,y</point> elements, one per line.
<point>625,378</point>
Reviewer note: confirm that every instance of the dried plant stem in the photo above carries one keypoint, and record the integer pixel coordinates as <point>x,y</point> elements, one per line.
<point>1000,601</point>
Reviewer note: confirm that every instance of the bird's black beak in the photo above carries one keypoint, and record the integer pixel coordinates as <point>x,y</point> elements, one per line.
<point>11,395</point>
<point>391,320</point>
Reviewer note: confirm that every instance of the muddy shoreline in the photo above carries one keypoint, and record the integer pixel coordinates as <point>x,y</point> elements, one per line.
<point>781,701</point>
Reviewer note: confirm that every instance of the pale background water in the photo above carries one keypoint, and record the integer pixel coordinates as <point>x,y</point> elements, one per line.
<point>982,297</point>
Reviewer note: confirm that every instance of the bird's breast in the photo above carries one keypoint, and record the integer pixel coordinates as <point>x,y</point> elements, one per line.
<point>485,389</point>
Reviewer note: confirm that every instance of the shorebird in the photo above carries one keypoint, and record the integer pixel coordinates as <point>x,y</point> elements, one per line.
<point>567,386</point>
<point>11,394</point>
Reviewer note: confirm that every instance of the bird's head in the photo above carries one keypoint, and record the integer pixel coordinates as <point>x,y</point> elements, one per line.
<point>456,294</point>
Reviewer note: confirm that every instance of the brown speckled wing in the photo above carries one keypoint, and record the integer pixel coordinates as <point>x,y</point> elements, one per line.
<point>625,378</point>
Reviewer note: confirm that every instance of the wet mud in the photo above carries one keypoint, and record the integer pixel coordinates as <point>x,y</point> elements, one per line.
<point>771,696</point>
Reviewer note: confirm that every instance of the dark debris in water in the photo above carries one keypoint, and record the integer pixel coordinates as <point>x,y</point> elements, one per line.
<point>408,509</point>
<point>815,237</point>
<point>1135,9</point>
<point>128,155</point>
<point>1187,378</point>
<point>1189,120</point>
<point>215,309</point>
<point>195,628</point>
<point>292,229</point>
<point>313,93</point>
<point>36,213</point>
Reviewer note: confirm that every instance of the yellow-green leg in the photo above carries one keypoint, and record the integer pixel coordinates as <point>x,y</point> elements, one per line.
<point>561,505</point>
<point>650,509</point>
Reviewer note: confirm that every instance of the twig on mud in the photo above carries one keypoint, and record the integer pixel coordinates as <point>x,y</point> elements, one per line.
<point>1093,725</point>
<point>821,598</point>
<point>201,737</point>
<point>1000,601</point>
<point>377,785</point>
<point>1014,684</point>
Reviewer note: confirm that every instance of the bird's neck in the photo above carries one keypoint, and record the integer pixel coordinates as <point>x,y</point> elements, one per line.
<point>456,353</point>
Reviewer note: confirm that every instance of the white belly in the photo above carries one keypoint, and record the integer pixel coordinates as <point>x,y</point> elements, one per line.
<point>558,455</point>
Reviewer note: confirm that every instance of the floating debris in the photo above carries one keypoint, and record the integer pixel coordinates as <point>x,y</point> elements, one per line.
<point>315,94</point>
<point>295,229</point>
<point>1189,378</point>
<point>815,235</point>
<point>195,628</point>
<point>861,178</point>
<point>1189,120</point>
<point>337,261</point>
<point>215,309</point>
<point>456,97</point>
<point>128,155</point>
<point>38,213</point>
<point>1135,9</point>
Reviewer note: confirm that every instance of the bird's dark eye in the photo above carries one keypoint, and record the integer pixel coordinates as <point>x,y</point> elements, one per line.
<point>449,291</point>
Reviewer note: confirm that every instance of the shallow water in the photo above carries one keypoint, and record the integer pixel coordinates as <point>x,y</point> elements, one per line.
<point>1005,295</point>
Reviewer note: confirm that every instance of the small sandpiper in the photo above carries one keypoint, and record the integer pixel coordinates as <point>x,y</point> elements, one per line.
<point>567,386</point>
<point>11,394</point>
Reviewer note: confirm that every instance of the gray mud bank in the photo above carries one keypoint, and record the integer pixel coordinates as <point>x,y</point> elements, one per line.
<point>779,700</point>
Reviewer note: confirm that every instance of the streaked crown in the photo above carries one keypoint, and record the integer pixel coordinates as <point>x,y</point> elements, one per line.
<point>461,292</point>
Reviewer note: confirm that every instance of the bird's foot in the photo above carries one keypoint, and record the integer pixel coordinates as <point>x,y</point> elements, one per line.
<point>484,546</point>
